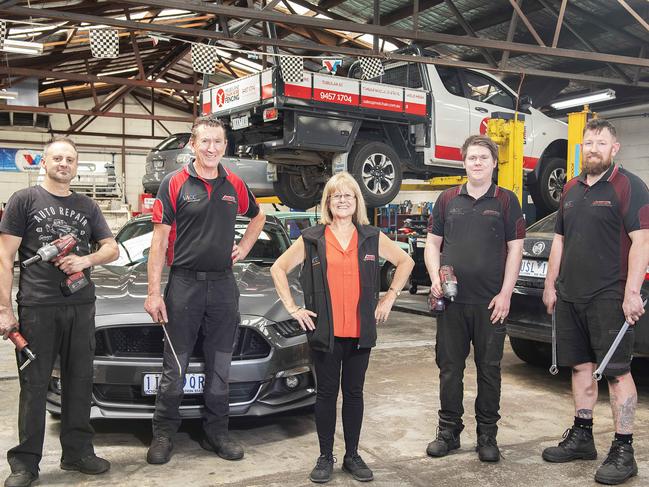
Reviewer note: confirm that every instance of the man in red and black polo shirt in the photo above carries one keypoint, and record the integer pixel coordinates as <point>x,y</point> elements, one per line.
<point>599,253</point>
<point>477,228</point>
<point>194,216</point>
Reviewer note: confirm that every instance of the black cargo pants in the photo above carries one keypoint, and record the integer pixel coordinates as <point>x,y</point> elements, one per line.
<point>206,303</point>
<point>68,331</point>
<point>457,327</point>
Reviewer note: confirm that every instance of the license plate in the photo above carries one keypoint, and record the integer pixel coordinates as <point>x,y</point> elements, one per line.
<point>194,384</point>
<point>534,268</point>
<point>241,122</point>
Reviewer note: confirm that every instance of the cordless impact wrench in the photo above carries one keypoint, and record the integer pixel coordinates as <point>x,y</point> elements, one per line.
<point>21,345</point>
<point>449,289</point>
<point>53,252</point>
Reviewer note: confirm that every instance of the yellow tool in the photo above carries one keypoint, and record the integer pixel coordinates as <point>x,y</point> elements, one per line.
<point>508,131</point>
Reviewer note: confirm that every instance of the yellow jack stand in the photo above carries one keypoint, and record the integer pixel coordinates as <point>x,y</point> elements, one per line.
<point>576,123</point>
<point>507,130</point>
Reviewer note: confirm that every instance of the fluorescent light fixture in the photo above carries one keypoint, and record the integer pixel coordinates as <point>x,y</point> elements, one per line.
<point>23,47</point>
<point>8,95</point>
<point>584,99</point>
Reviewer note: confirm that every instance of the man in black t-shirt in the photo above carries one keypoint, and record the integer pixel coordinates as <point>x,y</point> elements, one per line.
<point>597,265</point>
<point>52,323</point>
<point>477,228</point>
<point>194,219</point>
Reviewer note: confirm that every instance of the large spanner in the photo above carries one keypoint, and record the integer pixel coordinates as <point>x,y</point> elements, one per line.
<point>554,370</point>
<point>597,375</point>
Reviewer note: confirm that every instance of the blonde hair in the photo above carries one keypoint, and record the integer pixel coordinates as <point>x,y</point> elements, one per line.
<point>339,181</point>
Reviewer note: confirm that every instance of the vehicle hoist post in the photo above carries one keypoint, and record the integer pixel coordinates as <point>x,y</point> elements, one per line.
<point>576,123</point>
<point>507,130</point>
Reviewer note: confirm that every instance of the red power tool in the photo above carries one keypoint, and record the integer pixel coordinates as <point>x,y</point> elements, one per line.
<point>54,251</point>
<point>21,345</point>
<point>449,282</point>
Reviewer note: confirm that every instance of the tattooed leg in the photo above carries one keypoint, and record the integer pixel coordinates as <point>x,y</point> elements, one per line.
<point>624,399</point>
<point>584,389</point>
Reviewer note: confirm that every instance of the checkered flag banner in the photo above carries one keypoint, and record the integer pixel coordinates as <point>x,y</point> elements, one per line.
<point>371,67</point>
<point>292,68</point>
<point>104,43</point>
<point>3,33</point>
<point>203,58</point>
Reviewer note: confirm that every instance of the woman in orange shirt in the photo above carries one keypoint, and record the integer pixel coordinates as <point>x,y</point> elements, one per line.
<point>340,280</point>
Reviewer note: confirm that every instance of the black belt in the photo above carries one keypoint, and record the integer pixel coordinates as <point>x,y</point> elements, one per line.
<point>200,275</point>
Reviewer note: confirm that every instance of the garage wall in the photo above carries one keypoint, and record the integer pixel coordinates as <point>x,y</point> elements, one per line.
<point>105,149</point>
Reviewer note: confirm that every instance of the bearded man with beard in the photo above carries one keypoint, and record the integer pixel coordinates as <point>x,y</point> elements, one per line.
<point>598,260</point>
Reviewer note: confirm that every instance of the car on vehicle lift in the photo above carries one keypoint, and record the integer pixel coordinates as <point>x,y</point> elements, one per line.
<point>174,152</point>
<point>528,325</point>
<point>271,361</point>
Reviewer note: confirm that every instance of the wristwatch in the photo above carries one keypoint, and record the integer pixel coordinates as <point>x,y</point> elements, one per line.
<point>398,293</point>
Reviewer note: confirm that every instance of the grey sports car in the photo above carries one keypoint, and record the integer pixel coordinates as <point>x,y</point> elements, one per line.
<point>271,363</point>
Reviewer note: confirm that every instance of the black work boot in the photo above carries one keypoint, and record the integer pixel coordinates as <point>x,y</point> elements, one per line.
<point>619,465</point>
<point>323,469</point>
<point>21,478</point>
<point>355,466</point>
<point>223,446</point>
<point>577,444</point>
<point>160,450</point>
<point>488,448</point>
<point>445,441</point>
<point>90,465</point>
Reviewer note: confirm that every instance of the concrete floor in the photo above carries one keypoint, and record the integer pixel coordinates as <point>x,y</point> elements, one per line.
<point>401,402</point>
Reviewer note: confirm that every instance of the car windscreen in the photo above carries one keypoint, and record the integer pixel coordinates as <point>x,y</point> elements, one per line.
<point>134,241</point>
<point>174,142</point>
<point>544,226</point>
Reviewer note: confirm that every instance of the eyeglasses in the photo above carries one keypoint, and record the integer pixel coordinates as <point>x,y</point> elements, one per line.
<point>344,196</point>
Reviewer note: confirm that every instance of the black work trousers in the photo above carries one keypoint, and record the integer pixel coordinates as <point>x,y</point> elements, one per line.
<point>67,331</point>
<point>457,327</point>
<point>352,361</point>
<point>209,305</point>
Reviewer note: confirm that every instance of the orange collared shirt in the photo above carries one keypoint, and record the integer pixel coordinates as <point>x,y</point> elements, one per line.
<point>344,282</point>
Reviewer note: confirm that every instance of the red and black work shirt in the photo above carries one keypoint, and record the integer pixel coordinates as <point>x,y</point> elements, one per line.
<point>595,222</point>
<point>202,214</point>
<point>476,232</point>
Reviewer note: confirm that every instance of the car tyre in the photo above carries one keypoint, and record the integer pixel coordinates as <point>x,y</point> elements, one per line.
<point>377,168</point>
<point>292,192</point>
<point>532,352</point>
<point>547,192</point>
<point>387,275</point>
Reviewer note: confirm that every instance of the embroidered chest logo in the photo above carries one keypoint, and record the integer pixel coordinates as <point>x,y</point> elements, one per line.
<point>490,213</point>
<point>456,211</point>
<point>191,198</point>
<point>602,203</point>
<point>369,258</point>
<point>568,204</point>
<point>315,261</point>
<point>229,199</point>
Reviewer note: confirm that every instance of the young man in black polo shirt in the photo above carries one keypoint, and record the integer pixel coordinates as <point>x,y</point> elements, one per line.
<point>599,253</point>
<point>194,217</point>
<point>477,228</point>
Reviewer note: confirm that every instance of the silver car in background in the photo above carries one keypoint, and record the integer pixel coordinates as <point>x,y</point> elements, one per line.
<point>271,361</point>
<point>174,152</point>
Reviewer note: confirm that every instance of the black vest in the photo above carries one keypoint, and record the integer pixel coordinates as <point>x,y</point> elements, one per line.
<point>317,298</point>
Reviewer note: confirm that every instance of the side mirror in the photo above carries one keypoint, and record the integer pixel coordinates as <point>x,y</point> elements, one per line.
<point>525,102</point>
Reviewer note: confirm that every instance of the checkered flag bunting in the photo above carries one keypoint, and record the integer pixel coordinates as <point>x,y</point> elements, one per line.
<point>3,33</point>
<point>104,43</point>
<point>292,68</point>
<point>371,67</point>
<point>203,58</point>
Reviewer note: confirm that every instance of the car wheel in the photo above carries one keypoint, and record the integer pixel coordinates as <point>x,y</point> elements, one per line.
<point>532,352</point>
<point>377,168</point>
<point>295,193</point>
<point>387,275</point>
<point>547,192</point>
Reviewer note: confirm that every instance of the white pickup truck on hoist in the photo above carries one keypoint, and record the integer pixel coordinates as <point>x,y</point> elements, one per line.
<point>409,123</point>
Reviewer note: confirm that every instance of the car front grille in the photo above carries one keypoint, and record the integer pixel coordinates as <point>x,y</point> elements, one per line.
<point>147,341</point>
<point>104,393</point>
